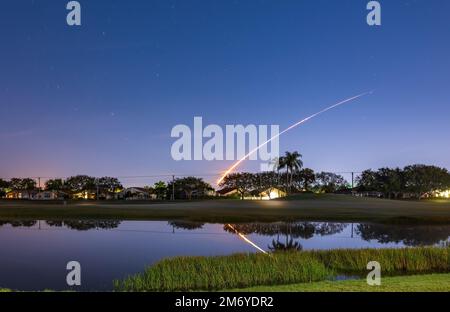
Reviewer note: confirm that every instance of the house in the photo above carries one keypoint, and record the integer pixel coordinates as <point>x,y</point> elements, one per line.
<point>108,195</point>
<point>226,192</point>
<point>51,195</point>
<point>199,193</point>
<point>96,195</point>
<point>270,193</point>
<point>369,194</point>
<point>136,193</point>
<point>203,193</point>
<point>21,194</point>
<point>85,195</point>
<point>442,194</point>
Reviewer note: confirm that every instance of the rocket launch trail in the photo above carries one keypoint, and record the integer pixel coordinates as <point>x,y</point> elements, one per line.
<point>236,164</point>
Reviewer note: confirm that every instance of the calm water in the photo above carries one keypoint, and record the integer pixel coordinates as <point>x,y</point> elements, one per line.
<point>34,254</point>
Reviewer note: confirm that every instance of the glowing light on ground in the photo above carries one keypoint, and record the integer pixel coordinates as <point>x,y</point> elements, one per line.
<point>443,194</point>
<point>235,165</point>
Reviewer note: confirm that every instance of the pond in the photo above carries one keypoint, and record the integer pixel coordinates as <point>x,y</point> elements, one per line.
<point>34,254</point>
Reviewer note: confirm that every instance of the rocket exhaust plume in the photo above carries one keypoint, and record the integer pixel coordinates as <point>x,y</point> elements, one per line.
<point>236,164</point>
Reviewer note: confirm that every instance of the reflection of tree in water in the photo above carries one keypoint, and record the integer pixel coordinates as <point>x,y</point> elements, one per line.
<point>288,245</point>
<point>84,225</point>
<point>186,225</point>
<point>417,235</point>
<point>18,223</point>
<point>303,230</point>
<point>326,228</point>
<point>290,231</point>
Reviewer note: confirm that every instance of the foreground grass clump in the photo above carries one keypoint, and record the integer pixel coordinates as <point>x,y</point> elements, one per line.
<point>235,271</point>
<point>414,283</point>
<point>247,270</point>
<point>393,261</point>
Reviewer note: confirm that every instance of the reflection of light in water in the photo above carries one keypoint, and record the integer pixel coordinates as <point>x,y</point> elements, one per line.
<point>245,239</point>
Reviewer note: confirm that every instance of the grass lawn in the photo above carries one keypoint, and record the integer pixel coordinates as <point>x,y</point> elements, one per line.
<point>304,207</point>
<point>412,283</point>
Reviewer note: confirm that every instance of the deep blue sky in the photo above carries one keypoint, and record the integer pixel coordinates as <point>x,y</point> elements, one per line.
<point>101,99</point>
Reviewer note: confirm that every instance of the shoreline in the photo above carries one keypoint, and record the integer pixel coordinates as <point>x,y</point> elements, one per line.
<point>331,208</point>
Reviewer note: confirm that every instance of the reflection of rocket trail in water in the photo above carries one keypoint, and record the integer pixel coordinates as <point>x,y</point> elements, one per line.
<point>246,239</point>
<point>286,130</point>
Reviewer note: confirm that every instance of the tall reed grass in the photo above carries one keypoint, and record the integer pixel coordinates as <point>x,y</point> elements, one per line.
<point>393,261</point>
<point>247,270</point>
<point>214,273</point>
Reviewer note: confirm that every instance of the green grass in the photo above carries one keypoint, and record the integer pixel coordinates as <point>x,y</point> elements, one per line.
<point>247,270</point>
<point>5,290</point>
<point>304,207</point>
<point>214,273</point>
<point>413,283</point>
<point>392,261</point>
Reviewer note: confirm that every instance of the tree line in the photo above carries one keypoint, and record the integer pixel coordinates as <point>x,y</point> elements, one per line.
<point>71,185</point>
<point>289,175</point>
<point>415,181</point>
<point>180,188</point>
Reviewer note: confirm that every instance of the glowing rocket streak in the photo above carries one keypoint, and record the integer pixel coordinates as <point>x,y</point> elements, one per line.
<point>286,130</point>
<point>246,239</point>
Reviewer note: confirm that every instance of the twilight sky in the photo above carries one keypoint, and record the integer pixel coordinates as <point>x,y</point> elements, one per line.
<point>102,98</point>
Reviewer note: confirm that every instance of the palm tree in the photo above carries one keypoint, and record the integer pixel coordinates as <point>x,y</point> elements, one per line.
<point>293,163</point>
<point>160,188</point>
